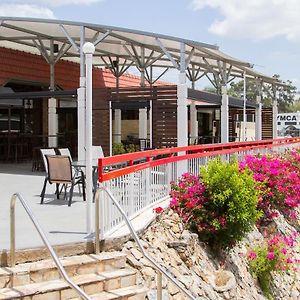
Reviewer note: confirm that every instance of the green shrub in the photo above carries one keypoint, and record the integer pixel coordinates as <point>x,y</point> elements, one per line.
<point>275,255</point>
<point>118,148</point>
<point>131,148</point>
<point>220,205</point>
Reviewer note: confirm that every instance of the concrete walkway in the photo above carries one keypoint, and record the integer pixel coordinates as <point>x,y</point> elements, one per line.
<point>62,224</point>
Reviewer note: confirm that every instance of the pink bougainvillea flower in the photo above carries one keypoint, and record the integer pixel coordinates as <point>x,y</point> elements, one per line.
<point>278,178</point>
<point>173,202</point>
<point>270,255</point>
<point>252,255</point>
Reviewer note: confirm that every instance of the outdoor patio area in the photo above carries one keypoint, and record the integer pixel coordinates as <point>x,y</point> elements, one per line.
<point>62,224</point>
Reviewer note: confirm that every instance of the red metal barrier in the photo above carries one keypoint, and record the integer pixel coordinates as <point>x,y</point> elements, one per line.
<point>133,162</point>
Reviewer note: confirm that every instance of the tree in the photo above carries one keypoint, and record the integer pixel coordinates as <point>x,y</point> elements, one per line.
<point>210,89</point>
<point>295,106</point>
<point>236,89</point>
<point>286,94</point>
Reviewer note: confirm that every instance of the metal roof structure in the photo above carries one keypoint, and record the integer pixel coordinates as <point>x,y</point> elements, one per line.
<point>58,39</point>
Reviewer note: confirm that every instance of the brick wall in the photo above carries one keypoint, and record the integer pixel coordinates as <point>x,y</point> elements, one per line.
<point>23,66</point>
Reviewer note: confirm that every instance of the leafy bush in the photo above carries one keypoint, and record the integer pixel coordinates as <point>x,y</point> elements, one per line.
<point>131,148</point>
<point>220,205</point>
<point>118,148</point>
<point>279,182</point>
<point>275,255</point>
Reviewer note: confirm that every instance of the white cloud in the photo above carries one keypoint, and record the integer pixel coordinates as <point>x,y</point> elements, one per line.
<point>255,19</point>
<point>68,2</point>
<point>53,3</point>
<point>25,10</point>
<point>37,8</point>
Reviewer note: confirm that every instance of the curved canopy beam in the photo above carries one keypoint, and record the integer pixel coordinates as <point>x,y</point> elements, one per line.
<point>126,44</point>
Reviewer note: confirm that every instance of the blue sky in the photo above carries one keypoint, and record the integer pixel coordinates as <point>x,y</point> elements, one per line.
<point>263,32</point>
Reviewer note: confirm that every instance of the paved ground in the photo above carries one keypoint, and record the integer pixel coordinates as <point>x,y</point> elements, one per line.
<point>61,223</point>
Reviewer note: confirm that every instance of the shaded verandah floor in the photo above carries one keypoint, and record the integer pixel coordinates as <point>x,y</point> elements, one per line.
<point>62,224</point>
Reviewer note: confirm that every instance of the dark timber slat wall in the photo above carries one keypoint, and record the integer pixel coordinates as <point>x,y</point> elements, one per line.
<point>164,112</point>
<point>164,117</point>
<point>267,121</point>
<point>101,119</point>
<point>231,126</point>
<point>267,124</point>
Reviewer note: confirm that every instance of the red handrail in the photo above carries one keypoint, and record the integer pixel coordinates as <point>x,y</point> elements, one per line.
<point>133,162</point>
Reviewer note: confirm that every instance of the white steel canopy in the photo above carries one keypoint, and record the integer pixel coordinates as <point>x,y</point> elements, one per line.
<point>128,47</point>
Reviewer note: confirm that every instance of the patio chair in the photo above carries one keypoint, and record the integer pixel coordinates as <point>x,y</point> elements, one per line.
<point>44,152</point>
<point>60,172</point>
<point>65,152</point>
<point>78,173</point>
<point>97,152</point>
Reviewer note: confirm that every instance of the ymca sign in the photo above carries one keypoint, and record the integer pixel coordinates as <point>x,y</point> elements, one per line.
<point>286,118</point>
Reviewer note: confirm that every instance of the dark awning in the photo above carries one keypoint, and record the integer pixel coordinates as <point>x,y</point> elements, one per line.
<point>11,95</point>
<point>5,97</point>
<point>217,99</point>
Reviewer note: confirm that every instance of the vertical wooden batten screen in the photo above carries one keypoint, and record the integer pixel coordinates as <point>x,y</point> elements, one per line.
<point>164,117</point>
<point>164,110</point>
<point>101,119</point>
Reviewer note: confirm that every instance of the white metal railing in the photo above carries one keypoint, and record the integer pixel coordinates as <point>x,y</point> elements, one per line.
<point>140,190</point>
<point>159,268</point>
<point>35,222</point>
<point>135,192</point>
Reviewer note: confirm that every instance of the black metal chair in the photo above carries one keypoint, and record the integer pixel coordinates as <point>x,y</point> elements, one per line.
<point>59,169</point>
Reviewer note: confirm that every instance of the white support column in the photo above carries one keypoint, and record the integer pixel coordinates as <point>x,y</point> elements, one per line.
<point>118,126</point>
<point>244,110</point>
<point>52,104</point>
<point>224,115</point>
<point>81,119</point>
<point>110,129</point>
<point>150,124</point>
<point>194,123</point>
<point>52,123</point>
<point>182,128</point>
<point>258,119</point>
<point>88,50</point>
<point>81,101</point>
<point>274,114</point>
<point>143,123</point>
<point>182,116</point>
<point>182,112</point>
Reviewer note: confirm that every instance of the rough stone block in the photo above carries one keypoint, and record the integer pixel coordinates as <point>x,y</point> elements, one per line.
<point>93,288</point>
<point>19,279</point>
<point>112,284</point>
<point>68,294</point>
<point>49,296</point>
<point>128,281</point>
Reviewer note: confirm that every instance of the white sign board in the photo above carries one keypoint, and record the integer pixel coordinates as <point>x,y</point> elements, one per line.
<point>288,124</point>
